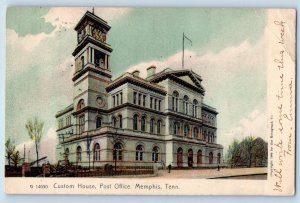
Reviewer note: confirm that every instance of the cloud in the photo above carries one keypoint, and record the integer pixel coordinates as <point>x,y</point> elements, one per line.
<point>235,83</point>
<point>45,148</point>
<point>67,17</point>
<point>254,124</point>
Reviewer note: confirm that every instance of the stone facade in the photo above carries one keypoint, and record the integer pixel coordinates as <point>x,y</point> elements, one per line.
<point>132,120</point>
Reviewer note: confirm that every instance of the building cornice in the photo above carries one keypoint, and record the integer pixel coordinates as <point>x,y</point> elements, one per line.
<point>128,78</point>
<point>89,39</point>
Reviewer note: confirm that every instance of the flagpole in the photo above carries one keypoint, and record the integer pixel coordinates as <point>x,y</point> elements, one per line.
<point>183,50</point>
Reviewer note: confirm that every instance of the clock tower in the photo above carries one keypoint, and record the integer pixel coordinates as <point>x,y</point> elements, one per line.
<point>92,71</point>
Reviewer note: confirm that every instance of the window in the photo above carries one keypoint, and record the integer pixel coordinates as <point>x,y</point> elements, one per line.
<point>144,100</point>
<point>135,122</point>
<point>99,58</point>
<point>134,97</point>
<point>152,125</point>
<point>121,97</point>
<point>185,104</point>
<point>155,104</point>
<point>68,120</point>
<point>118,149</point>
<point>78,154</point>
<point>155,154</point>
<point>176,128</point>
<point>98,122</point>
<point>114,122</point>
<point>140,97</point>
<point>186,130</point>
<point>114,98</point>
<point>211,157</point>
<point>158,126</point>
<point>82,61</point>
<point>80,105</point>
<point>159,105</point>
<point>175,101</point>
<point>143,124</point>
<point>60,123</point>
<point>195,103</point>
<point>219,158</point>
<point>195,132</point>
<point>151,102</point>
<point>120,121</point>
<point>81,124</point>
<point>139,153</point>
<point>199,157</point>
<point>96,152</point>
<point>67,154</point>
<point>117,99</point>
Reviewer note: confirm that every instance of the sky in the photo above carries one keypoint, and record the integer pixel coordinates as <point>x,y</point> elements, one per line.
<point>228,51</point>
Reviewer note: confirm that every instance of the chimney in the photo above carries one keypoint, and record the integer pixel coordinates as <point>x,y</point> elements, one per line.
<point>136,73</point>
<point>151,71</point>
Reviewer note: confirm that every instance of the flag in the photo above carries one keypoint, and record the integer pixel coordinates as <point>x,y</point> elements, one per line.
<point>185,37</point>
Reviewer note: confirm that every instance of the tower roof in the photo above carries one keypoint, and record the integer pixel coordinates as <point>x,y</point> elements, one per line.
<point>88,16</point>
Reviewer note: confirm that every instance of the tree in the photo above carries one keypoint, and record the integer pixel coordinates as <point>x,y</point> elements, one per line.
<point>10,149</point>
<point>16,158</point>
<point>247,146</point>
<point>35,132</point>
<point>233,153</point>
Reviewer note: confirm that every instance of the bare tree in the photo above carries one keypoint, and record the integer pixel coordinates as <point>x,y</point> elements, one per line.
<point>35,132</point>
<point>10,149</point>
<point>16,158</point>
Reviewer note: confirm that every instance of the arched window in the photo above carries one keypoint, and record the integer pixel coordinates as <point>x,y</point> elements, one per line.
<point>195,103</point>
<point>186,130</point>
<point>80,105</point>
<point>114,122</point>
<point>96,152</point>
<point>158,127</point>
<point>179,157</point>
<point>120,121</point>
<point>195,132</point>
<point>176,128</point>
<point>98,122</point>
<point>152,125</point>
<point>78,154</point>
<point>190,158</point>
<point>118,149</point>
<point>139,153</point>
<point>143,124</point>
<point>186,104</point>
<point>219,158</point>
<point>135,122</point>
<point>82,61</point>
<point>199,157</point>
<point>67,154</point>
<point>211,157</point>
<point>155,154</point>
<point>175,101</point>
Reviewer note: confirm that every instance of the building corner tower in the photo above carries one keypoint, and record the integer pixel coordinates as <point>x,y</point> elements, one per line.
<point>92,71</point>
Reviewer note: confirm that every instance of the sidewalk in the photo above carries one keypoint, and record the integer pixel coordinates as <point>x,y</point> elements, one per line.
<point>211,173</point>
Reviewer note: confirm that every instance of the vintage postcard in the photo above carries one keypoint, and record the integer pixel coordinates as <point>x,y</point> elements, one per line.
<point>144,101</point>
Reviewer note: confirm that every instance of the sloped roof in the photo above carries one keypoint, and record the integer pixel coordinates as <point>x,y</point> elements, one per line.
<point>178,75</point>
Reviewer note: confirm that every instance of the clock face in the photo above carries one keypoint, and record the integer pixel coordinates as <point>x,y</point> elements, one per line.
<point>97,34</point>
<point>100,101</point>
